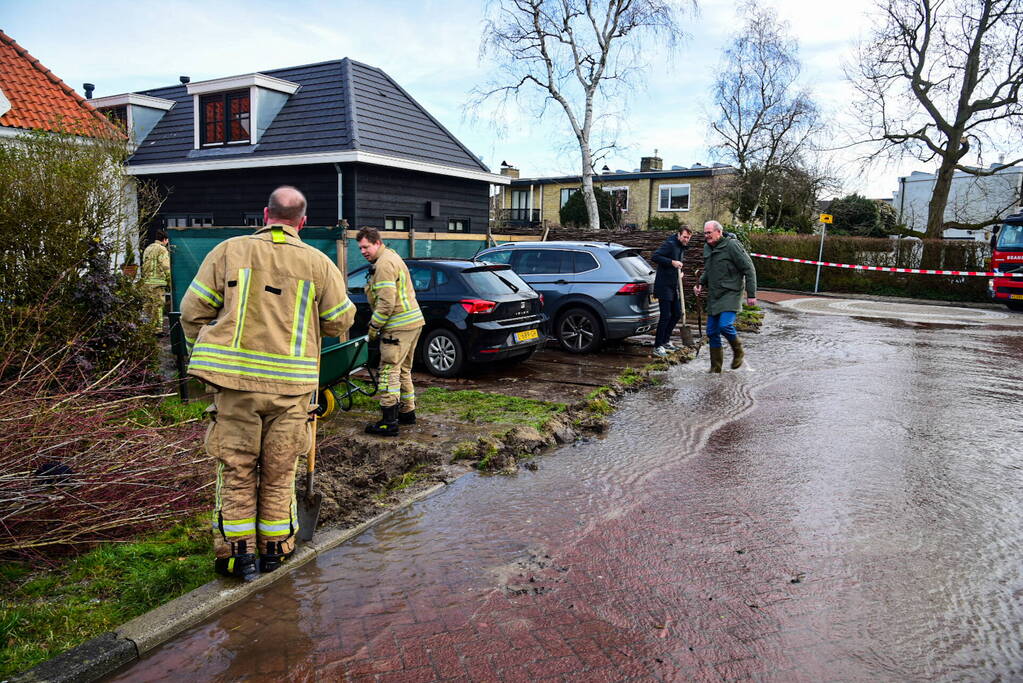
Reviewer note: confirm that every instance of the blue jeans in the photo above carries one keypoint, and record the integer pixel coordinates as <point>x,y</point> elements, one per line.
<point>671,313</point>
<point>721,324</point>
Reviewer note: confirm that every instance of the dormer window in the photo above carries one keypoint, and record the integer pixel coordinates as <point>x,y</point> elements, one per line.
<point>133,113</point>
<point>225,118</point>
<point>236,110</point>
<point>117,116</point>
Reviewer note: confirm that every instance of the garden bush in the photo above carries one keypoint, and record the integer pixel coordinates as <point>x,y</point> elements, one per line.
<point>903,253</point>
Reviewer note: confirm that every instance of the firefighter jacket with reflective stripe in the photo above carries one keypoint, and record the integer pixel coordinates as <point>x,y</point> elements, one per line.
<point>390,294</point>
<point>156,265</point>
<point>254,314</point>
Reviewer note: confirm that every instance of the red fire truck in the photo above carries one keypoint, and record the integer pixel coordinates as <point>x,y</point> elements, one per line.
<point>1007,257</point>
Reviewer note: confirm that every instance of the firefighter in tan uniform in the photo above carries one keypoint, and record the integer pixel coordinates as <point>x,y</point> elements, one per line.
<point>253,317</point>
<point>156,272</point>
<point>396,322</point>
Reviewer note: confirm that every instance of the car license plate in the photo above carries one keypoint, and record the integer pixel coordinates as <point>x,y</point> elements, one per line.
<point>1016,296</point>
<point>526,335</point>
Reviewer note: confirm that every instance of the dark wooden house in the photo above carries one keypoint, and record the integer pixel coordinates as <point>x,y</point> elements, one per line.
<point>345,133</point>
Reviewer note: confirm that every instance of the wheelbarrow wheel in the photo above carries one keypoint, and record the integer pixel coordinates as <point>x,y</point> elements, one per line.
<point>327,403</point>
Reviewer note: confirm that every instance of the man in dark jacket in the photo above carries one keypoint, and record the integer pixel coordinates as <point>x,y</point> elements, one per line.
<point>667,287</point>
<point>725,265</point>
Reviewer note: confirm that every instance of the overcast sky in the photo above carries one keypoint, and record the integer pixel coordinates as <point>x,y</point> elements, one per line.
<point>431,48</point>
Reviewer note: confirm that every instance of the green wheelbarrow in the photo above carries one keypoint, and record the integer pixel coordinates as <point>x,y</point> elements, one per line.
<point>338,362</point>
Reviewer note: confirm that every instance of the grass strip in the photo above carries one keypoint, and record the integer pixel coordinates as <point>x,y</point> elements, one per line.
<point>43,613</point>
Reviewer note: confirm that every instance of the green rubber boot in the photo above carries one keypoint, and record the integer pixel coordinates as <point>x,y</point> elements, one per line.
<point>737,352</point>
<point>717,357</point>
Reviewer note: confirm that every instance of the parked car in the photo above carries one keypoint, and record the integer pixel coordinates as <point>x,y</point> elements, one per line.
<point>475,312</point>
<point>593,291</point>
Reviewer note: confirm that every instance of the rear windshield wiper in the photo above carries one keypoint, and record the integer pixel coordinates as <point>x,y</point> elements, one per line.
<point>511,286</point>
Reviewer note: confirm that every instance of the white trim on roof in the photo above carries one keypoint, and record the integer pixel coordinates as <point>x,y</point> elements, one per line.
<point>241,82</point>
<point>349,156</point>
<point>131,98</point>
<point>5,104</point>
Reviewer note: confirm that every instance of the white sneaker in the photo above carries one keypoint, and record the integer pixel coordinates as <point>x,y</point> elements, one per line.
<point>661,351</point>
<point>671,347</point>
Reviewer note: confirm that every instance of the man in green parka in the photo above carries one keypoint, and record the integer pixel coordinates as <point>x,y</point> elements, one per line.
<point>725,265</point>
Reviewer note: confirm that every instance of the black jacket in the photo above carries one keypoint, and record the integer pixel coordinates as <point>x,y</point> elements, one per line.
<point>666,280</point>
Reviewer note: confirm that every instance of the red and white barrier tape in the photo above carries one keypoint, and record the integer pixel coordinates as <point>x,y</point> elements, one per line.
<point>885,269</point>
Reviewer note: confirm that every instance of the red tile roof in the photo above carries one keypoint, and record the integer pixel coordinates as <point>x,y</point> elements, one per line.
<point>39,100</point>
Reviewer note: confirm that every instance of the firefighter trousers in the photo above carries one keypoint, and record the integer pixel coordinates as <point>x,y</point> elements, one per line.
<point>397,350</point>
<point>154,303</point>
<point>255,440</point>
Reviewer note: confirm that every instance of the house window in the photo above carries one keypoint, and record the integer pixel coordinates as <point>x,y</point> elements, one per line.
<point>519,199</point>
<point>397,222</point>
<point>673,198</point>
<point>188,221</point>
<point>224,118</point>
<point>253,219</point>
<point>620,196</point>
<point>567,192</point>
<point>118,116</point>
<point>458,225</point>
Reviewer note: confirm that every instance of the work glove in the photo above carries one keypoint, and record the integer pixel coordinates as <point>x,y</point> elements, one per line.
<point>373,334</point>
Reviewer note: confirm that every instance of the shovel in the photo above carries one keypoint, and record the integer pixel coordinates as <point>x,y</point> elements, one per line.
<point>309,505</point>
<point>687,334</point>
<point>699,314</point>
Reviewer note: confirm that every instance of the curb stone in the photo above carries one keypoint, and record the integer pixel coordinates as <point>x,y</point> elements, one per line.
<point>104,654</point>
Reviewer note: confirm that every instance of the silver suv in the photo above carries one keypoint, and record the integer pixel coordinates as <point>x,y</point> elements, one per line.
<point>593,291</point>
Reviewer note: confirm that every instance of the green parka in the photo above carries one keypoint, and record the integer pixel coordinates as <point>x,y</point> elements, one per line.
<point>725,264</point>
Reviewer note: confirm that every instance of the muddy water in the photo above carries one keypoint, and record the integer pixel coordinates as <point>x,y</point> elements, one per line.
<point>847,509</point>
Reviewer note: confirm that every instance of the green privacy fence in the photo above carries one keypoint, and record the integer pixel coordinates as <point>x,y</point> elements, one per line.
<point>189,247</point>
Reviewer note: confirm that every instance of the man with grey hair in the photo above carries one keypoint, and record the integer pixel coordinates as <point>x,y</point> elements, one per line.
<point>725,265</point>
<point>253,318</point>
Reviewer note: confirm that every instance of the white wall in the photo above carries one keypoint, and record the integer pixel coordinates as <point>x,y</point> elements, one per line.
<point>971,199</point>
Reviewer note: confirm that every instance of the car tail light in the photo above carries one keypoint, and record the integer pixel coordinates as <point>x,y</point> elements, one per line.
<point>478,305</point>
<point>541,301</point>
<point>635,288</point>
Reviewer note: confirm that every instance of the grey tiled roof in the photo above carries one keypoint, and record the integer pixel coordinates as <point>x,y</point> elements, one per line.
<point>341,105</point>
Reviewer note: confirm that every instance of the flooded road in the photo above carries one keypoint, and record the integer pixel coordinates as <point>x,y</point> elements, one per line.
<point>847,509</point>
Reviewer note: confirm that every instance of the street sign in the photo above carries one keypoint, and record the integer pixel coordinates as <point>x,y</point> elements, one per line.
<point>826,218</point>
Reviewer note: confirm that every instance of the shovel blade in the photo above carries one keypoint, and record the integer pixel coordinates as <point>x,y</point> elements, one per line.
<point>308,515</point>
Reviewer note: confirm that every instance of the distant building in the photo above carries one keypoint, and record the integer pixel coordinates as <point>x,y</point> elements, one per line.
<point>972,199</point>
<point>694,194</point>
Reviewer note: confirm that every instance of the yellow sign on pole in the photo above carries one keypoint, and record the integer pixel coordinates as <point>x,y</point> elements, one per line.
<point>826,218</point>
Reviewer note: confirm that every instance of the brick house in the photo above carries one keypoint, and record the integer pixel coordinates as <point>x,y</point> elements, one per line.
<point>693,195</point>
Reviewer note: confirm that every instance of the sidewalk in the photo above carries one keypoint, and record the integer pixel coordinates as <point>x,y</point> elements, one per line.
<point>774,296</point>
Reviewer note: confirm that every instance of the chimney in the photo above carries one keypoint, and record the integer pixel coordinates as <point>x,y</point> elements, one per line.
<point>654,163</point>
<point>88,88</point>
<point>605,170</point>
<point>184,79</point>
<point>508,170</point>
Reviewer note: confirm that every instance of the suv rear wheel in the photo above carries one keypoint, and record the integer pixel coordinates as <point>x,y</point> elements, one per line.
<point>442,352</point>
<point>578,331</point>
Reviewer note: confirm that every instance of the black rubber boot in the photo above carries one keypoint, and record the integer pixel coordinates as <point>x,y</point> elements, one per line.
<point>737,352</point>
<point>386,425</point>
<point>271,559</point>
<point>408,418</point>
<point>717,357</point>
<point>241,565</point>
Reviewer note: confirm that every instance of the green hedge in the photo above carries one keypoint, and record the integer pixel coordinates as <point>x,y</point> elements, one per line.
<point>950,255</point>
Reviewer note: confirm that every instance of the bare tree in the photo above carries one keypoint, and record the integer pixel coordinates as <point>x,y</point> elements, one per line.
<point>584,55</point>
<point>765,120</point>
<point>939,77</point>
